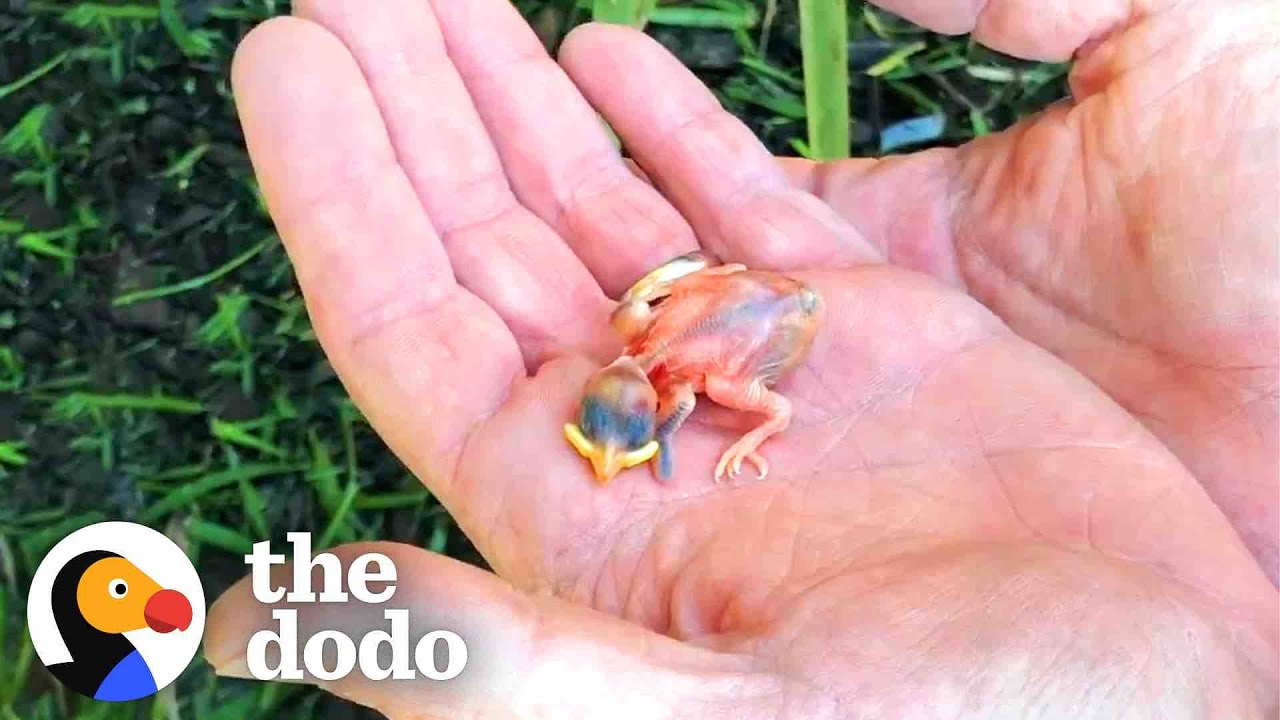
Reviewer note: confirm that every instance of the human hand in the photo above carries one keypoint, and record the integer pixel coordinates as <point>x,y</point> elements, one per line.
<point>1132,232</point>
<point>956,522</point>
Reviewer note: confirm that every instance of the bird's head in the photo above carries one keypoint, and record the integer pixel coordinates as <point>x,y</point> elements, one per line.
<point>616,419</point>
<point>114,596</point>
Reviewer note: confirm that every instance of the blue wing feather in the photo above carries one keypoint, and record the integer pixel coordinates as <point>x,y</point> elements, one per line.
<point>130,679</point>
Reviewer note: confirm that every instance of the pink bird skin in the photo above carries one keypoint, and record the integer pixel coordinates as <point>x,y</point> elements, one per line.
<point>693,328</point>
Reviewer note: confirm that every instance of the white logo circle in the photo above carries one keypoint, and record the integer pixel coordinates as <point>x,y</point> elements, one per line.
<point>116,611</point>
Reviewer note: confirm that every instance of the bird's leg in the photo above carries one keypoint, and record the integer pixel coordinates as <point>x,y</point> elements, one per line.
<point>749,396</point>
<point>674,407</point>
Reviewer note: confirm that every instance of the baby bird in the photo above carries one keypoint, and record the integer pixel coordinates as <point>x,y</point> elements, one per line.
<point>693,327</point>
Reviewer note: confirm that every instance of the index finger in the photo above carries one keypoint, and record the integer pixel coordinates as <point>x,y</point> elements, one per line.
<point>423,358</point>
<point>555,151</point>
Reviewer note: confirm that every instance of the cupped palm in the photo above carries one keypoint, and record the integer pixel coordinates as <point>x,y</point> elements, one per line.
<point>956,520</point>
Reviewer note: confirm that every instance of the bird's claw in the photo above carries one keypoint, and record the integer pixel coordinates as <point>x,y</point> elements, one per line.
<point>731,462</point>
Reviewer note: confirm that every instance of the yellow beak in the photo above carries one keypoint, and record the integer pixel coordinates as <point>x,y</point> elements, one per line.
<point>607,460</point>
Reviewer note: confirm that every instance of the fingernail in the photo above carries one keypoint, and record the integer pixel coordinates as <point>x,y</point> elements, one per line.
<point>236,667</point>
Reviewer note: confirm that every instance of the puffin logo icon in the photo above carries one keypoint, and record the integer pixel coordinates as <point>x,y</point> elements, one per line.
<point>116,611</point>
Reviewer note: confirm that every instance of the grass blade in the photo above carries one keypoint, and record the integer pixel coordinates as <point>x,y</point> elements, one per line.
<point>895,60</point>
<point>338,523</point>
<point>77,403</point>
<point>195,282</point>
<point>11,453</point>
<point>322,474</point>
<point>190,492</point>
<point>192,44</point>
<point>697,17</point>
<point>393,500</point>
<point>254,508</point>
<point>237,434</point>
<point>623,12</point>
<point>219,536</point>
<point>824,34</point>
<point>48,67</point>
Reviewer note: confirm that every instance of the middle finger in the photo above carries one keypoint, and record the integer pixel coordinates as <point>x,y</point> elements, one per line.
<point>561,162</point>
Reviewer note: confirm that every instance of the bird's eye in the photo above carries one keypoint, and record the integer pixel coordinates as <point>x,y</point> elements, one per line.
<point>118,588</point>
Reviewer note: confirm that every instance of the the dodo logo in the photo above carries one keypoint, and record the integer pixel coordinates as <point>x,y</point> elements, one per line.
<point>116,611</point>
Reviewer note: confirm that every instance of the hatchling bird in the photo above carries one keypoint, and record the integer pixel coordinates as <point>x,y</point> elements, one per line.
<point>692,327</point>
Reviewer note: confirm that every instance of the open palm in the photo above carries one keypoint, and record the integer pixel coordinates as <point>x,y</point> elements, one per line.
<point>956,521</point>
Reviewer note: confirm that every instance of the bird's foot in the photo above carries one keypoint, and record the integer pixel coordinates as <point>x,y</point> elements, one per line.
<point>731,461</point>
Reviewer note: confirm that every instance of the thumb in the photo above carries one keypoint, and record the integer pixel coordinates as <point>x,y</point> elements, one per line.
<point>525,656</point>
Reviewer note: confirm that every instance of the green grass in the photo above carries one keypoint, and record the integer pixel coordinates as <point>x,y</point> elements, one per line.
<point>622,12</point>
<point>824,39</point>
<point>156,360</point>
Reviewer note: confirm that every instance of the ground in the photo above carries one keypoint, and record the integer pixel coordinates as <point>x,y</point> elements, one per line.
<point>156,363</point>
